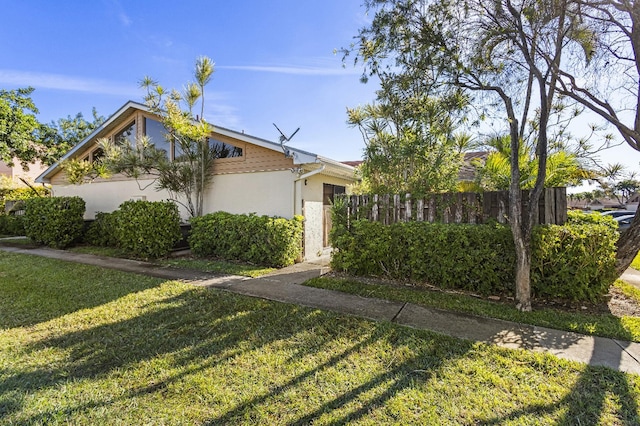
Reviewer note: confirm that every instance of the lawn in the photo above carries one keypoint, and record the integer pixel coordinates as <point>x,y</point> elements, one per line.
<point>636,263</point>
<point>82,345</point>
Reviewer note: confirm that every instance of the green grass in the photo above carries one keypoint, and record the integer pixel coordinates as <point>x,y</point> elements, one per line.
<point>197,264</point>
<point>607,325</point>
<point>628,290</point>
<point>217,266</point>
<point>81,345</point>
<point>636,263</point>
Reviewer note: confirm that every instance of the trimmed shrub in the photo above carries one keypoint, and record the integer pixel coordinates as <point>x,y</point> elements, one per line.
<point>574,262</point>
<point>264,240</point>
<point>11,225</point>
<point>569,262</point>
<point>575,217</point>
<point>56,221</point>
<point>146,229</point>
<point>21,193</point>
<point>102,231</point>
<point>477,258</point>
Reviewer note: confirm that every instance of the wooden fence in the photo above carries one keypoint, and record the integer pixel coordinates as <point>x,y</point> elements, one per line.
<point>460,207</point>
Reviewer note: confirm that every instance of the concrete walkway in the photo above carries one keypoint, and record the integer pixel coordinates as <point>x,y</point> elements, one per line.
<point>285,286</point>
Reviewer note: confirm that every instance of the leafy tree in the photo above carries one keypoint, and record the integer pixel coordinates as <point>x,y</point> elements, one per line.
<point>187,175</point>
<point>404,152</point>
<point>604,78</point>
<point>60,136</point>
<point>616,183</point>
<point>18,127</point>
<point>504,52</point>
<point>563,167</point>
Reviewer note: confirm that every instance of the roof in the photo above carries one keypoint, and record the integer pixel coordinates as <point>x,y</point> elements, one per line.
<point>467,170</point>
<point>298,156</point>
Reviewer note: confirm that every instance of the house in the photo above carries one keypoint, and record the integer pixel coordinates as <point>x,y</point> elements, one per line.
<point>16,172</point>
<point>255,176</point>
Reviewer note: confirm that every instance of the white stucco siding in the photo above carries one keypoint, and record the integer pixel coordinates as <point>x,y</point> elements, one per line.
<point>263,193</point>
<point>313,189</point>
<point>106,196</point>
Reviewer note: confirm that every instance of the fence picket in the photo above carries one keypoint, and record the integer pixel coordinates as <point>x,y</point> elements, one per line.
<point>466,207</point>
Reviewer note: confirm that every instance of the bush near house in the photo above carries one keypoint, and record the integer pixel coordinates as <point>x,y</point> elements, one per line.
<point>11,224</point>
<point>102,231</point>
<point>57,221</point>
<point>264,240</point>
<point>574,261</point>
<point>145,229</point>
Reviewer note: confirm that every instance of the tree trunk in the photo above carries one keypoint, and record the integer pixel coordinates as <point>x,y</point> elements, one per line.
<point>628,245</point>
<point>523,272</point>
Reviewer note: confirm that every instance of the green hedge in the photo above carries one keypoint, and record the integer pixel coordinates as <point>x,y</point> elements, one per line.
<point>11,225</point>
<point>573,261</point>
<point>263,240</point>
<point>570,262</point>
<point>14,194</point>
<point>477,258</point>
<point>57,221</point>
<point>146,229</point>
<point>102,231</point>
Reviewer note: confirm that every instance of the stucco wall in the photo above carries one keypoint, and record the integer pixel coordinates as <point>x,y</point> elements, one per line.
<point>17,171</point>
<point>313,243</point>
<point>313,189</point>
<point>106,196</point>
<point>266,193</point>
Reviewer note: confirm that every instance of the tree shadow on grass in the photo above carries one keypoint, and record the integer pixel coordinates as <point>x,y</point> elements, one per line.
<point>586,402</point>
<point>198,327</point>
<point>35,289</point>
<point>428,355</point>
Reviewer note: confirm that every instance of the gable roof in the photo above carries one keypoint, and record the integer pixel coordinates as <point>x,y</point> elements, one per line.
<point>298,156</point>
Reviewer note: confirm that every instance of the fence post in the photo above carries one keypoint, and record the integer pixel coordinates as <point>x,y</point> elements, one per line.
<point>431,212</point>
<point>396,208</point>
<point>420,210</point>
<point>385,200</point>
<point>408,213</point>
<point>374,209</point>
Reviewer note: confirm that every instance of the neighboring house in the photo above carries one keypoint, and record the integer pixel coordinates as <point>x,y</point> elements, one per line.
<point>468,171</point>
<point>16,171</point>
<point>256,176</point>
<point>595,204</point>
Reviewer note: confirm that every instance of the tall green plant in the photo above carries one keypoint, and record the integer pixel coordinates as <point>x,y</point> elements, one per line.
<point>186,174</point>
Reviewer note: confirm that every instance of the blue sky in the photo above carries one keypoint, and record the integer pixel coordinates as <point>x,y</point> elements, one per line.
<point>275,62</point>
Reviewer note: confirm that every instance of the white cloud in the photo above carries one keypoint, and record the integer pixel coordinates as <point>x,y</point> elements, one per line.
<point>294,70</point>
<point>124,19</point>
<point>66,83</point>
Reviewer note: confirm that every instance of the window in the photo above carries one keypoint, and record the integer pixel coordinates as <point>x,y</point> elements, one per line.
<point>126,136</point>
<point>97,154</point>
<point>156,132</point>
<point>224,150</point>
<point>330,191</point>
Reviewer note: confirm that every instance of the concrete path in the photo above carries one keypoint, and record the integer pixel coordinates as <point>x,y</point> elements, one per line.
<point>285,286</point>
<point>632,277</point>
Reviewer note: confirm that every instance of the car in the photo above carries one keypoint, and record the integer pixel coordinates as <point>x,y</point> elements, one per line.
<point>624,222</point>
<point>618,213</point>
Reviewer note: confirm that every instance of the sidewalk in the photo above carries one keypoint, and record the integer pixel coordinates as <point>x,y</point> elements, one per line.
<point>285,286</point>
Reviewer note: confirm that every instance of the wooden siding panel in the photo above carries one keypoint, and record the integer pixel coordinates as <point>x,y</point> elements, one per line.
<point>255,158</point>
